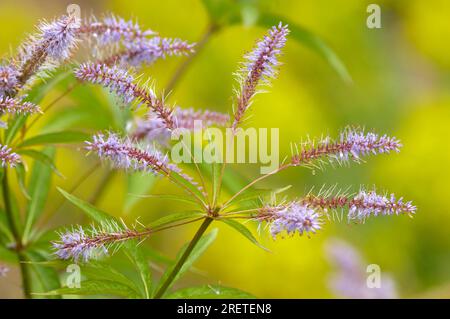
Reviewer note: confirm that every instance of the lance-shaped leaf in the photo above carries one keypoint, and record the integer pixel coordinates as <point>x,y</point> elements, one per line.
<point>38,190</point>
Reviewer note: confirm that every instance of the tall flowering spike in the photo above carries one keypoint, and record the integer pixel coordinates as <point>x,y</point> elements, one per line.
<point>362,205</point>
<point>260,67</point>
<point>7,157</point>
<point>79,244</point>
<point>352,145</point>
<point>185,118</point>
<point>54,43</point>
<point>293,218</point>
<point>16,106</point>
<point>8,80</point>
<point>369,203</point>
<point>147,51</point>
<point>122,83</point>
<point>116,79</point>
<point>124,154</point>
<point>60,36</point>
<point>153,130</point>
<point>112,29</point>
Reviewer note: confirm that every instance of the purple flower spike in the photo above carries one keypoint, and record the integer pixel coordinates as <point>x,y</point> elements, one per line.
<point>352,145</point>
<point>16,106</point>
<point>367,204</point>
<point>295,218</point>
<point>7,157</point>
<point>361,206</point>
<point>112,29</point>
<point>77,245</point>
<point>260,67</point>
<point>116,79</point>
<point>44,51</point>
<point>147,51</point>
<point>124,154</point>
<point>121,82</point>
<point>8,80</point>
<point>60,36</point>
<point>153,129</point>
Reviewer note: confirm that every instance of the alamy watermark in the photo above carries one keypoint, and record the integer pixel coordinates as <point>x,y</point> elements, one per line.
<point>213,145</point>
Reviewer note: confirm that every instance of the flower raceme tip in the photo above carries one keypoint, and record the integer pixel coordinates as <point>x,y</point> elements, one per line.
<point>353,144</point>
<point>122,83</point>
<point>306,215</point>
<point>260,67</point>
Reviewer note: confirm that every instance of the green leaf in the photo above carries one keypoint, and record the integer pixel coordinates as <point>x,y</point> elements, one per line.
<point>138,183</point>
<point>4,226</point>
<point>35,96</point>
<point>198,250</point>
<point>14,127</point>
<point>20,172</point>
<point>192,188</point>
<point>8,255</point>
<point>136,255</point>
<point>96,270</point>
<point>174,218</point>
<point>155,255</point>
<point>96,287</point>
<point>244,231</point>
<point>38,189</point>
<point>311,41</point>
<point>176,198</point>
<point>56,138</point>
<point>41,90</point>
<point>46,277</point>
<point>88,209</point>
<point>210,292</point>
<point>43,158</point>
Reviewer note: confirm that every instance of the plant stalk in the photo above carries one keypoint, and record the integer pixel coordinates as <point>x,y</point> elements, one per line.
<point>184,257</point>
<point>26,285</point>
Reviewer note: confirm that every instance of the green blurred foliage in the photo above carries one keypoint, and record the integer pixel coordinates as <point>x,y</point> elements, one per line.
<point>401,77</point>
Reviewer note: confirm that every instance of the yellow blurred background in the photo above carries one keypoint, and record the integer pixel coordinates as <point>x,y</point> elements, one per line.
<point>401,86</point>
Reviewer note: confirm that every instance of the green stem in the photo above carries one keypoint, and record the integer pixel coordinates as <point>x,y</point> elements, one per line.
<point>183,258</point>
<point>14,230</point>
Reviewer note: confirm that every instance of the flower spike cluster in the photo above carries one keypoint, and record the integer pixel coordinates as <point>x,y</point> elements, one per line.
<point>54,43</point>
<point>122,83</point>
<point>8,80</point>
<point>78,244</point>
<point>16,106</point>
<point>291,219</point>
<point>154,130</point>
<point>7,157</point>
<point>353,144</point>
<point>125,155</point>
<point>361,206</point>
<point>112,29</point>
<point>260,68</point>
<point>147,51</point>
<point>306,215</point>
